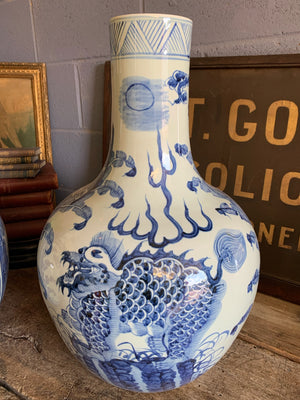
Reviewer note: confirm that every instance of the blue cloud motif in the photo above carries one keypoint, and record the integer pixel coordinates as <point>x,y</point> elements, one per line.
<point>178,82</point>
<point>143,103</point>
<point>181,149</point>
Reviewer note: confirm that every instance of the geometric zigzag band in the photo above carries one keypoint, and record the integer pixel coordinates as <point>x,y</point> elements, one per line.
<point>150,35</point>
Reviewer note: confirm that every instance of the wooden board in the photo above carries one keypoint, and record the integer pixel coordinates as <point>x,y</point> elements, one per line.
<point>274,325</point>
<point>245,139</point>
<point>36,365</point>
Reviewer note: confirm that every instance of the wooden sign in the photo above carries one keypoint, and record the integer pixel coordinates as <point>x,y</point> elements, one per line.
<point>245,139</point>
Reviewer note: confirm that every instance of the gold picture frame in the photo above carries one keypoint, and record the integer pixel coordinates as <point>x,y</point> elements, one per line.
<point>24,109</point>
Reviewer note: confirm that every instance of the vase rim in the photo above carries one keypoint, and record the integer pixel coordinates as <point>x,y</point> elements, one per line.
<point>150,16</point>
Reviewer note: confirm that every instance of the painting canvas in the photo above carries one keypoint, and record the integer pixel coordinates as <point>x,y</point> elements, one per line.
<point>17,126</point>
<point>24,112</point>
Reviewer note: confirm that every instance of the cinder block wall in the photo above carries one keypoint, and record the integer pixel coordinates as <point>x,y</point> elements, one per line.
<point>71,37</point>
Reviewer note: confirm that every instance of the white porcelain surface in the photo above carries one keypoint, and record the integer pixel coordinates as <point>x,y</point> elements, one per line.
<point>148,272</point>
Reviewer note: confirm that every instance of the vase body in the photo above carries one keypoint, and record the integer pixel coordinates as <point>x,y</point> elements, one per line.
<point>3,259</point>
<point>148,272</point>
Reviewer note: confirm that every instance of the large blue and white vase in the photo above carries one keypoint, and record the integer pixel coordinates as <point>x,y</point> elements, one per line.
<point>3,259</point>
<point>148,272</point>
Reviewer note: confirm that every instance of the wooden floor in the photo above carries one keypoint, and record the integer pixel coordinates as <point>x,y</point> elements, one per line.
<point>262,364</point>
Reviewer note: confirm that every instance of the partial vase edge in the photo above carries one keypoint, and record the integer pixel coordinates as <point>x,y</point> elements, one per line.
<point>150,16</point>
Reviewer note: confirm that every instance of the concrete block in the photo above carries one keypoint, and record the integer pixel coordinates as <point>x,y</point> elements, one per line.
<point>77,157</point>
<point>282,44</point>
<point>219,21</point>
<point>16,32</point>
<point>91,80</point>
<point>285,15</point>
<point>76,29</point>
<point>63,97</point>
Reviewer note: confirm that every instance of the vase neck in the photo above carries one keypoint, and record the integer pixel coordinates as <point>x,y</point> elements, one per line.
<point>150,75</point>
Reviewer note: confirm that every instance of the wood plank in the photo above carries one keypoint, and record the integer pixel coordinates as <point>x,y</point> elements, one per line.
<point>274,324</point>
<point>35,362</point>
<point>263,61</point>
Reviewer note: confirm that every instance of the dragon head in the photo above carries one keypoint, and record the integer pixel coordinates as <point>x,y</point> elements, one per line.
<point>90,269</point>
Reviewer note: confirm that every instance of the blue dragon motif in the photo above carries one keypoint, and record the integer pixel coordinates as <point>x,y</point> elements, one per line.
<point>168,300</point>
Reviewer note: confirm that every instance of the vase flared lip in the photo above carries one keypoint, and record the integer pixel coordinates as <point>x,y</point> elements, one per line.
<point>146,35</point>
<point>150,16</point>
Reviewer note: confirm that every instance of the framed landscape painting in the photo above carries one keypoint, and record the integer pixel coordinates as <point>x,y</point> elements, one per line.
<point>24,112</point>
